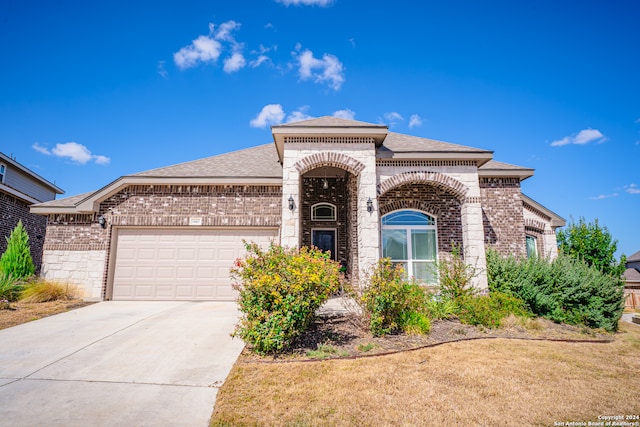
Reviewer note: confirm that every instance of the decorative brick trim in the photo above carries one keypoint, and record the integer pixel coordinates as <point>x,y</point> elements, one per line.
<point>489,181</point>
<point>472,200</point>
<point>76,247</point>
<point>532,224</point>
<point>329,158</point>
<point>536,211</point>
<point>424,163</point>
<point>329,139</point>
<point>67,219</point>
<point>395,205</point>
<point>437,179</point>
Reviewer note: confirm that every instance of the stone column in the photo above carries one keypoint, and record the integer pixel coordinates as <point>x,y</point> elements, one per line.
<point>290,228</point>
<point>368,222</point>
<point>473,238</point>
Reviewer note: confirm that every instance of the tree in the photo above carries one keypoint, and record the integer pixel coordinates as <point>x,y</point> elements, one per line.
<point>16,260</point>
<point>593,244</point>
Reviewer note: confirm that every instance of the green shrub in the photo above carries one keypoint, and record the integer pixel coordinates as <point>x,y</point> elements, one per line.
<point>564,290</point>
<point>414,322</point>
<point>455,276</point>
<point>441,308</point>
<point>390,300</point>
<point>280,290</point>
<point>10,287</point>
<point>45,291</point>
<point>16,259</point>
<point>489,310</point>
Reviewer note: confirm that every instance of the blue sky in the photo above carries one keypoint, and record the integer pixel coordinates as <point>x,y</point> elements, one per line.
<point>90,91</point>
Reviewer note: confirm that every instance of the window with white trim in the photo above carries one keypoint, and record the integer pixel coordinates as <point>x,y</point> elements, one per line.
<point>323,212</point>
<point>409,239</point>
<point>532,246</point>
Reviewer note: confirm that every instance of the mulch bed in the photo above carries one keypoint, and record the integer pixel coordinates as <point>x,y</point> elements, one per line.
<point>345,336</point>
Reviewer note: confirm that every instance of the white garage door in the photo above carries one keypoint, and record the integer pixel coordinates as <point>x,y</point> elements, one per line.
<point>179,264</point>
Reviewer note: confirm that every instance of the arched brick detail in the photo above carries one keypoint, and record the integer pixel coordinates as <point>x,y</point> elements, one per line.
<point>395,205</point>
<point>534,225</point>
<point>329,158</point>
<point>437,179</point>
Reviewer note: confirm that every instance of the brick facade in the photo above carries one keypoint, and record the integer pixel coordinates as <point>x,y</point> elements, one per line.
<point>336,194</point>
<point>12,210</point>
<point>78,243</point>
<point>435,201</point>
<point>502,213</point>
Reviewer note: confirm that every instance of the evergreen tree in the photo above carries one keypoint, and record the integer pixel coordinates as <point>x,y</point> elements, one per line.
<point>16,260</point>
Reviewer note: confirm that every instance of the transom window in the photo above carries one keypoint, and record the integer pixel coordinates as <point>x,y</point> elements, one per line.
<point>323,212</point>
<point>409,239</point>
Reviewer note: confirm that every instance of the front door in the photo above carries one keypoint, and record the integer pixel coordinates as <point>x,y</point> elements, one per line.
<point>325,240</point>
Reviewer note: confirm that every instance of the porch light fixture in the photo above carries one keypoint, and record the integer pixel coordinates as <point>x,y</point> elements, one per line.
<point>102,221</point>
<point>369,205</point>
<point>291,203</point>
<point>325,183</point>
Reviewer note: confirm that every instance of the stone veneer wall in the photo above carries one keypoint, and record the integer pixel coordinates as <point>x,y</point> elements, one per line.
<point>502,212</point>
<point>12,210</point>
<point>313,193</point>
<point>432,200</point>
<point>77,248</point>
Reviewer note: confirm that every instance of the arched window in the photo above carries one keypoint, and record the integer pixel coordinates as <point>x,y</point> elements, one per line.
<point>323,212</point>
<point>409,238</point>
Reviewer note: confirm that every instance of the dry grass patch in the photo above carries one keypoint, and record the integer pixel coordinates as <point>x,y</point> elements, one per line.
<point>23,312</point>
<point>495,382</point>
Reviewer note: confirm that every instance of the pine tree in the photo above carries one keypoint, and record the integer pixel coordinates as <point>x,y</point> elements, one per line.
<point>16,260</point>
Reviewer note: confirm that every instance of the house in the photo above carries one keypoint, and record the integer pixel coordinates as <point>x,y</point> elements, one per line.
<point>20,188</point>
<point>353,188</point>
<point>632,281</point>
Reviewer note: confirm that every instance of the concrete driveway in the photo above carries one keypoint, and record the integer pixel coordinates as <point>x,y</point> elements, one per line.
<point>118,364</point>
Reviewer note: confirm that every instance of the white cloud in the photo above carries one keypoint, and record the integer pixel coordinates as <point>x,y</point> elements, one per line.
<point>330,69</point>
<point>259,61</point>
<point>40,149</point>
<point>162,70</point>
<point>271,114</point>
<point>321,3</point>
<point>604,196</point>
<point>345,114</point>
<point>392,118</point>
<point>74,151</point>
<point>234,63</point>
<point>203,49</point>
<point>414,121</point>
<point>224,31</point>
<point>632,189</point>
<point>299,115</point>
<point>583,137</point>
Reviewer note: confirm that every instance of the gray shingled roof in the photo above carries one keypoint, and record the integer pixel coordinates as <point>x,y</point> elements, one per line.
<point>631,274</point>
<point>66,202</point>
<point>398,142</point>
<point>634,257</point>
<point>255,162</point>
<point>495,165</point>
<point>330,121</point>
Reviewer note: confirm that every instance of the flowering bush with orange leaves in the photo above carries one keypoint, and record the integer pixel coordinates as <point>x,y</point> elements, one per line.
<point>280,290</point>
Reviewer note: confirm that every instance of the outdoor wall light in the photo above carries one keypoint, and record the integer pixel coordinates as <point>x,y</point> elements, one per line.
<point>291,203</point>
<point>369,205</point>
<point>102,221</point>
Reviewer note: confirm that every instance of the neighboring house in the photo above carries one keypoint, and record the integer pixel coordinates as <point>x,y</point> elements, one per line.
<point>632,281</point>
<point>20,188</point>
<point>350,187</point>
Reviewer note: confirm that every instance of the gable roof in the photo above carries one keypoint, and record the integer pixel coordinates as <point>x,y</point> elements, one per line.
<point>634,257</point>
<point>331,121</point>
<point>256,165</point>
<point>631,275</point>
<point>556,220</point>
<point>495,168</point>
<point>9,160</point>
<point>255,162</point>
